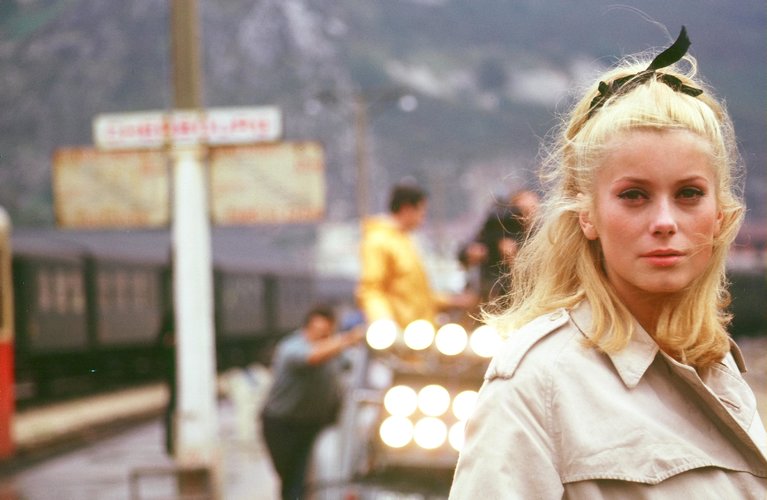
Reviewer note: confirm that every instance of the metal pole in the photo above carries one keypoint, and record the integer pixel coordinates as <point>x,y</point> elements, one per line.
<point>185,49</point>
<point>360,130</point>
<point>196,435</point>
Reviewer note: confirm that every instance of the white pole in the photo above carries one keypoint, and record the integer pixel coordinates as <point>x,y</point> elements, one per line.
<point>196,422</point>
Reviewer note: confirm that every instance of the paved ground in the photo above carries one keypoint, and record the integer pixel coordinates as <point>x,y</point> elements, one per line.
<point>102,471</point>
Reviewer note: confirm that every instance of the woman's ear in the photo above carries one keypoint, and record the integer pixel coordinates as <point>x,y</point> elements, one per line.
<point>718,223</point>
<point>587,226</point>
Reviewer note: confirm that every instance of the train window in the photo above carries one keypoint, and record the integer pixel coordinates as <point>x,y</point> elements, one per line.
<point>230,298</point>
<point>152,289</point>
<point>140,290</point>
<point>77,292</point>
<point>44,299</point>
<point>104,291</point>
<point>252,291</point>
<point>60,291</point>
<point>136,287</point>
<point>122,291</point>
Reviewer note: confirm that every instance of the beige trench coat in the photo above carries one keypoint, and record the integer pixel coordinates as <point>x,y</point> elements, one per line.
<point>556,419</point>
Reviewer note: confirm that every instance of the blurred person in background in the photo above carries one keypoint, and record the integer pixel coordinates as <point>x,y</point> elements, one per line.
<point>306,394</point>
<point>488,257</point>
<point>618,378</point>
<point>394,283</point>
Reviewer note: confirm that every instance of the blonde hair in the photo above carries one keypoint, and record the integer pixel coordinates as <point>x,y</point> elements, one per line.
<point>559,267</point>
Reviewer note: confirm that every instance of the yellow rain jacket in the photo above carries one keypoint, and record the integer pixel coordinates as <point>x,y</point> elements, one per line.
<point>393,282</point>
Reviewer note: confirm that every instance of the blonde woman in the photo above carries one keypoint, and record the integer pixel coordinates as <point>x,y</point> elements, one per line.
<point>618,378</point>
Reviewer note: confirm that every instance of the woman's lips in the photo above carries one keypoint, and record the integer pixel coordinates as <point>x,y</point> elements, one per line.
<point>663,258</point>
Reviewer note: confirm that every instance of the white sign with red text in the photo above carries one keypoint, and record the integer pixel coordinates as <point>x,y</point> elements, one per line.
<point>214,126</point>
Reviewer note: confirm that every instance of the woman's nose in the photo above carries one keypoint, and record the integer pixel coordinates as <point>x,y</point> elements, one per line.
<point>664,220</point>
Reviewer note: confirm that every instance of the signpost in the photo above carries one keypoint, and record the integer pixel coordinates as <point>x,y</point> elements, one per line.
<point>126,183</point>
<point>195,418</point>
<point>213,126</point>
<point>264,183</point>
<point>267,183</point>
<point>94,189</point>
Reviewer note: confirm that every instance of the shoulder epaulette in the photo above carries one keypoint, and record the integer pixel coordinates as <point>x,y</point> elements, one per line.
<point>519,342</point>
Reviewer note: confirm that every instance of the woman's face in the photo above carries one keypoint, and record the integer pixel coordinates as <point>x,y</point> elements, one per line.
<point>655,212</point>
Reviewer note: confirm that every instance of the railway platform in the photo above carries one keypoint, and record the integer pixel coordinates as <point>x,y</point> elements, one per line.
<point>132,465</point>
<point>129,461</point>
<point>117,468</point>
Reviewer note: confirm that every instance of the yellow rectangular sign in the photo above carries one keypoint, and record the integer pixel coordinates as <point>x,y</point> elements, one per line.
<point>97,189</point>
<point>267,183</point>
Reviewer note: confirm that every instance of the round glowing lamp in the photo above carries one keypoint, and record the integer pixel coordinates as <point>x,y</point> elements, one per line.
<point>430,433</point>
<point>456,435</point>
<point>419,334</point>
<point>485,341</point>
<point>463,404</point>
<point>433,400</point>
<point>401,401</point>
<point>451,339</point>
<point>381,334</point>
<point>396,432</point>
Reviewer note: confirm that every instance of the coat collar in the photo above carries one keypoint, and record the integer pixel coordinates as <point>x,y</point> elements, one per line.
<point>633,361</point>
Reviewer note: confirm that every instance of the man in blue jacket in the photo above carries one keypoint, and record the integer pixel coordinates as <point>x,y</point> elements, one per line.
<point>305,395</point>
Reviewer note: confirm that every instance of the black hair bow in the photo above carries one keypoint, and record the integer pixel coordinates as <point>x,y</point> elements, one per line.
<point>666,58</point>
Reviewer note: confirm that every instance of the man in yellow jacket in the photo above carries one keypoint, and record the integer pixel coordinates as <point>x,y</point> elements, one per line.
<point>394,283</point>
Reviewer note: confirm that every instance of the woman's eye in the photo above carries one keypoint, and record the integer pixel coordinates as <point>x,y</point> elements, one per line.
<point>691,192</point>
<point>632,194</point>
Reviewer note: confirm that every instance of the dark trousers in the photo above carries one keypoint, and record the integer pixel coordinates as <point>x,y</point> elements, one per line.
<point>290,444</point>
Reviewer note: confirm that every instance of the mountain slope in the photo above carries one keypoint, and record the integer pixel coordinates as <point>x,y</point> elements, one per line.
<point>489,76</point>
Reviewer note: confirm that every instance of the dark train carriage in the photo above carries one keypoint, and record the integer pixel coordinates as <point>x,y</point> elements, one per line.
<point>88,313</point>
<point>129,299</point>
<point>748,288</point>
<point>129,302</point>
<point>336,290</point>
<point>242,318</point>
<point>339,292</point>
<point>51,317</point>
<point>90,306</point>
<point>254,309</point>
<point>51,303</point>
<point>290,298</point>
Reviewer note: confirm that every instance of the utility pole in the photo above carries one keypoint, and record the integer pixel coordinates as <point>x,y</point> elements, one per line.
<point>361,153</point>
<point>185,50</point>
<point>195,423</point>
<point>363,103</point>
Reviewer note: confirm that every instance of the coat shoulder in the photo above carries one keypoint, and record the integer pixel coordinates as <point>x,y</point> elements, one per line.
<point>520,342</point>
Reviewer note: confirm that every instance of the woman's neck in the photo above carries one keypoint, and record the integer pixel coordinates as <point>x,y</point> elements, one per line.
<point>647,312</point>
